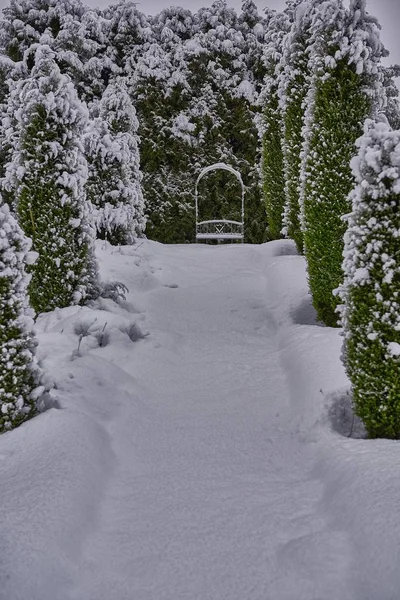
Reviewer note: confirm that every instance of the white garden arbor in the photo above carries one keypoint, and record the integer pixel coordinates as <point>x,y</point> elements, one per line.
<point>219,229</point>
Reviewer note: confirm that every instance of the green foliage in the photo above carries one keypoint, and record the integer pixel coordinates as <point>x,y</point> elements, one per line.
<point>273,166</point>
<point>371,289</point>
<point>240,142</point>
<point>374,373</point>
<point>60,248</point>
<point>165,161</point>
<point>113,186</point>
<point>392,109</point>
<point>219,196</point>
<point>47,174</point>
<point>293,120</point>
<point>170,206</point>
<point>340,108</point>
<point>19,375</point>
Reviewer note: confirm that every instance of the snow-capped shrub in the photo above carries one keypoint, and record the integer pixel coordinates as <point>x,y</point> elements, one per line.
<point>47,175</point>
<point>370,293</point>
<point>344,61</point>
<point>19,372</point>
<point>113,187</point>
<point>272,162</point>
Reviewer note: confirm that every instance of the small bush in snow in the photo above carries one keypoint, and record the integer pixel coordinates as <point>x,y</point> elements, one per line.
<point>371,289</point>
<point>134,332</point>
<point>19,373</point>
<point>47,174</point>
<point>114,290</point>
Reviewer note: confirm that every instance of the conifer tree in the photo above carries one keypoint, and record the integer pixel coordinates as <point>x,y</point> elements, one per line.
<point>76,34</point>
<point>113,187</point>
<point>6,67</point>
<point>370,293</point>
<point>28,22</point>
<point>23,23</point>
<point>19,372</point>
<point>47,175</point>
<point>272,160</point>
<point>160,93</point>
<point>294,84</point>
<point>249,16</point>
<point>129,34</point>
<point>392,109</point>
<point>344,61</point>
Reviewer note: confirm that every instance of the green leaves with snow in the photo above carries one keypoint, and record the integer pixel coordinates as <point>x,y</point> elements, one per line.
<point>371,290</point>
<point>19,373</point>
<point>47,175</point>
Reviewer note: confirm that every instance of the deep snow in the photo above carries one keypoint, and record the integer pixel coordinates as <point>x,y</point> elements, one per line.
<point>202,453</point>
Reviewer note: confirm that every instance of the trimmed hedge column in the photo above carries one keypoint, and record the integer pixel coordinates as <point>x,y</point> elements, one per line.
<point>294,83</point>
<point>19,372</point>
<point>371,289</point>
<point>272,160</point>
<point>47,175</point>
<point>112,151</point>
<point>345,85</point>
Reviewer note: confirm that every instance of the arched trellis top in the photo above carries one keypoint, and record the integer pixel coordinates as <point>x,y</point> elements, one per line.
<point>222,229</point>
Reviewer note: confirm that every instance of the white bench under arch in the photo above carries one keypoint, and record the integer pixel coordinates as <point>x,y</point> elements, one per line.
<point>219,229</point>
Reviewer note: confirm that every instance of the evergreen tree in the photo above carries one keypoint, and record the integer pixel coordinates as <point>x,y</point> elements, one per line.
<point>19,372</point>
<point>253,27</point>
<point>81,50</point>
<point>294,84</point>
<point>173,26</point>
<point>345,63</point>
<point>129,34</point>
<point>160,91</point>
<point>392,109</point>
<point>272,160</point>
<point>76,35</point>
<point>113,186</point>
<point>249,16</point>
<point>24,22</point>
<point>47,175</point>
<point>371,290</point>
<point>6,68</point>
<point>28,22</point>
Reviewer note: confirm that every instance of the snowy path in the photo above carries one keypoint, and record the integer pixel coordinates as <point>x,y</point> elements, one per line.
<point>212,494</point>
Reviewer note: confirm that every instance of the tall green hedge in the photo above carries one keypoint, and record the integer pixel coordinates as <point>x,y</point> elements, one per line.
<point>340,108</point>
<point>371,289</point>
<point>272,160</point>
<point>294,81</point>
<point>47,174</point>
<point>273,179</point>
<point>19,373</point>
<point>345,89</point>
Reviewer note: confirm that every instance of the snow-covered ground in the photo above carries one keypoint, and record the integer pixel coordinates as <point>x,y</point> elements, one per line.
<point>200,447</point>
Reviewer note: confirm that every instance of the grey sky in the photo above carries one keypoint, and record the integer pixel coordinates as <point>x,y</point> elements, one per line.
<point>387,11</point>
